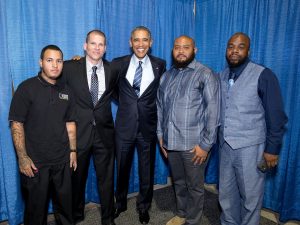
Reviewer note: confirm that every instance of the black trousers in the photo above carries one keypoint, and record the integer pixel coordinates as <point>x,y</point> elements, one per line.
<point>146,157</point>
<point>50,181</point>
<point>104,165</point>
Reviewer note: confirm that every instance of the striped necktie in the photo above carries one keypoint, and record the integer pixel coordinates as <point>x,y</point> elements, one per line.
<point>94,86</point>
<point>137,79</point>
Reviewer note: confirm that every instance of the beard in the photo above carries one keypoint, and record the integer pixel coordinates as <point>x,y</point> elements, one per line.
<point>185,63</point>
<point>234,65</point>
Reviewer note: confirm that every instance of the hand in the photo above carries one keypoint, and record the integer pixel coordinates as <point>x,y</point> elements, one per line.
<point>164,151</point>
<point>271,159</point>
<point>73,160</point>
<point>27,167</point>
<point>76,57</point>
<point>200,155</point>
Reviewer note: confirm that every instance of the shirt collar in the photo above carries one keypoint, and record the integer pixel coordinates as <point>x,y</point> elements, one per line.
<point>136,60</point>
<point>192,65</point>
<point>238,70</point>
<point>46,83</point>
<point>89,65</point>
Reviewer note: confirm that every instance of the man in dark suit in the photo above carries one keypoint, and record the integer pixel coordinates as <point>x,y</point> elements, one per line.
<point>136,119</point>
<point>91,81</point>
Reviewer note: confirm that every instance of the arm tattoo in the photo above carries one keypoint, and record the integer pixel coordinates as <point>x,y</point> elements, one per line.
<point>18,135</point>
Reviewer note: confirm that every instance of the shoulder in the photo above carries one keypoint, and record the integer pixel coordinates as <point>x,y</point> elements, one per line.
<point>121,59</point>
<point>157,60</point>
<point>74,63</point>
<point>29,83</point>
<point>268,75</point>
<point>203,69</point>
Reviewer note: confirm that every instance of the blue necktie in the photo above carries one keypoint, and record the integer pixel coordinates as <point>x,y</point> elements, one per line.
<point>94,86</point>
<point>137,79</point>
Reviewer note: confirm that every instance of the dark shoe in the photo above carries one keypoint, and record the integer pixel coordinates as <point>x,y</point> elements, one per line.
<point>78,219</point>
<point>144,217</point>
<point>118,211</point>
<point>112,223</point>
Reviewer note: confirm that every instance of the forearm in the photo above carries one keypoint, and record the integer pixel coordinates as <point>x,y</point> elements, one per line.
<point>18,136</point>
<point>71,129</point>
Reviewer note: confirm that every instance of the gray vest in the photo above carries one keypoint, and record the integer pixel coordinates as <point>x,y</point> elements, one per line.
<point>242,113</point>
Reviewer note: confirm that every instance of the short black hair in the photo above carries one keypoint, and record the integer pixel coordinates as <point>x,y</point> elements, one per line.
<point>141,28</point>
<point>99,32</point>
<point>241,34</point>
<point>52,47</point>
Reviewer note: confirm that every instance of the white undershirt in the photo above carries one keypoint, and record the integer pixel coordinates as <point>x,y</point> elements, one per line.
<point>100,74</point>
<point>148,75</point>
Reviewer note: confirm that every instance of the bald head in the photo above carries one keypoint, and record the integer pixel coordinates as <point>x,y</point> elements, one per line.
<point>186,39</point>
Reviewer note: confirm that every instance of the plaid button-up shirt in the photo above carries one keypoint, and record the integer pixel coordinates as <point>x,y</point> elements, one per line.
<point>188,104</point>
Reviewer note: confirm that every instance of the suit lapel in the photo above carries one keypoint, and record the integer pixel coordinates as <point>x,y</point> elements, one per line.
<point>155,68</point>
<point>84,80</point>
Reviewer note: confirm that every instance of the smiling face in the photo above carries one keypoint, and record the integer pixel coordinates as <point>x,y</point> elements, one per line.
<point>237,50</point>
<point>95,47</point>
<point>140,42</point>
<point>51,65</point>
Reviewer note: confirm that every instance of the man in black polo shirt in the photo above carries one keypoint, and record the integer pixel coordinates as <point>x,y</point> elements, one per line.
<point>42,115</point>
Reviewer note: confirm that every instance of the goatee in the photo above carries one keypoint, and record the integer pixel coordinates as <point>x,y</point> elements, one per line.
<point>183,64</point>
<point>234,65</point>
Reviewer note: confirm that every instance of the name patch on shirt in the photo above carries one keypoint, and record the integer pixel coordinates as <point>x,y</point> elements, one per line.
<point>63,96</point>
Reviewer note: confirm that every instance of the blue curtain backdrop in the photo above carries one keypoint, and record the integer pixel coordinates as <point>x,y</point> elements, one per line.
<point>273,26</point>
<point>274,30</point>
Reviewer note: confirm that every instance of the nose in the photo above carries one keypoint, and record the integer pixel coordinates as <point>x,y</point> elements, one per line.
<point>180,50</point>
<point>54,64</point>
<point>235,49</point>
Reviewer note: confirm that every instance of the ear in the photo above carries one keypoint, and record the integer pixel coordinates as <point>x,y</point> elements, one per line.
<point>195,50</point>
<point>41,63</point>
<point>84,46</point>
<point>151,41</point>
<point>130,42</point>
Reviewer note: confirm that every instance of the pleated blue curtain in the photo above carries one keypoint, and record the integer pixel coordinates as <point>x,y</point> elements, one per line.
<point>8,168</point>
<point>274,30</point>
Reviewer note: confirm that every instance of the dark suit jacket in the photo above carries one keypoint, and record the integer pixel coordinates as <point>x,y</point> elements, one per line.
<point>74,74</point>
<point>136,113</point>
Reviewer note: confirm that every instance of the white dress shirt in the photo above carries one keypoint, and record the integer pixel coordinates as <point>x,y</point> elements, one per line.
<point>100,74</point>
<point>147,76</point>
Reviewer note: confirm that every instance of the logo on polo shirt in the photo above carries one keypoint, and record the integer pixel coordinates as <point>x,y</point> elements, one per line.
<point>64,96</point>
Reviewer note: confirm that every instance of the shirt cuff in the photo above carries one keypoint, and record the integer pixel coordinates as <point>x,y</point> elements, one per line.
<point>272,149</point>
<point>205,147</point>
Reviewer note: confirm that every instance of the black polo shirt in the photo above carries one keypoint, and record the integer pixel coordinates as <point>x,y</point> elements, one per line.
<point>44,109</point>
